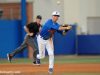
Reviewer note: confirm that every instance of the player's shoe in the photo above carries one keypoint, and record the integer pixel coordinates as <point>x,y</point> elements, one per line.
<point>38,62</point>
<point>35,63</point>
<point>50,70</point>
<point>9,57</point>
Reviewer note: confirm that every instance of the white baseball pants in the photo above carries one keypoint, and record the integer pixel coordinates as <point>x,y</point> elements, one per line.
<point>48,44</point>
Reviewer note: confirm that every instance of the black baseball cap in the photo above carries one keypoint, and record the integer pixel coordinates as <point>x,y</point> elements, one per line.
<point>39,17</point>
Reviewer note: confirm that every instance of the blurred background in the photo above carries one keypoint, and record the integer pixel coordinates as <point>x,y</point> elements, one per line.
<point>83,15</point>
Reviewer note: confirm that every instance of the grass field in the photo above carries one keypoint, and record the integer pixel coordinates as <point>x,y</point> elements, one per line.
<point>60,60</point>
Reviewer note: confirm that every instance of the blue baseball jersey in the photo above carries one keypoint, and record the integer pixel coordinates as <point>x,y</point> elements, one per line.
<point>49,25</point>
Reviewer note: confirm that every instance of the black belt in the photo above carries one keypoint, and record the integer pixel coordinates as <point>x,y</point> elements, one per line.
<point>44,38</point>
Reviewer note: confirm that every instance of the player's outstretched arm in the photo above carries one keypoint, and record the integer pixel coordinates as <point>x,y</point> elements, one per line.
<point>65,27</point>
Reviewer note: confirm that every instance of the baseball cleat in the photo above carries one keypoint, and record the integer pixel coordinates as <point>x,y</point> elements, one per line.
<point>50,70</point>
<point>38,62</point>
<point>35,63</point>
<point>9,57</point>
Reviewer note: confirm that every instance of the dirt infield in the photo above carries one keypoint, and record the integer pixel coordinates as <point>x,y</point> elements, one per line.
<point>43,69</point>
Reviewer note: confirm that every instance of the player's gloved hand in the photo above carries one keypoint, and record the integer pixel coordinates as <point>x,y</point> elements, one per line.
<point>68,28</point>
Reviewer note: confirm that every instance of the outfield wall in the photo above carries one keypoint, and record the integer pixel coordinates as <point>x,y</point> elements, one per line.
<point>11,37</point>
<point>89,44</point>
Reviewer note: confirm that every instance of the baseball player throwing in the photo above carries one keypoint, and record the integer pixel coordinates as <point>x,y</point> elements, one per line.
<point>46,38</point>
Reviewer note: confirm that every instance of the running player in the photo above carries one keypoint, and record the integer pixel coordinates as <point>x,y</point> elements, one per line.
<point>32,30</point>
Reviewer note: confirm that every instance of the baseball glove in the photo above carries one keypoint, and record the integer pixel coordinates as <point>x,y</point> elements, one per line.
<point>65,31</point>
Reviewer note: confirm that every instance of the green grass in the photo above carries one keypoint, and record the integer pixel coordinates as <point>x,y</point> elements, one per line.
<point>77,60</point>
<point>58,59</point>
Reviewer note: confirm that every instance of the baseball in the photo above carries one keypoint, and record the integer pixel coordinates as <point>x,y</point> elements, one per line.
<point>58,2</point>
